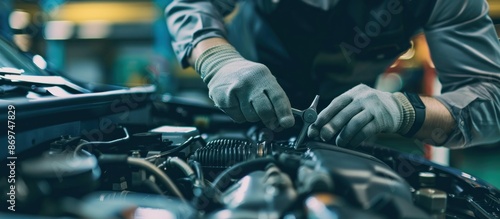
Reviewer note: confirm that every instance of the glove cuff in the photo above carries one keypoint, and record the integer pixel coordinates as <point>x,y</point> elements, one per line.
<point>407,113</point>
<point>214,58</point>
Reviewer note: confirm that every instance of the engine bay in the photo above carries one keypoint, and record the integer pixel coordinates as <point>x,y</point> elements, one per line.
<point>176,159</point>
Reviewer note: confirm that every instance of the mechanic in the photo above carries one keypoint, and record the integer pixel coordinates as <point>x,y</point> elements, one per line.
<point>272,48</point>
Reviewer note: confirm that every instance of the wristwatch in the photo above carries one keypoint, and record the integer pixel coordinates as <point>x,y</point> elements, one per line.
<point>419,108</point>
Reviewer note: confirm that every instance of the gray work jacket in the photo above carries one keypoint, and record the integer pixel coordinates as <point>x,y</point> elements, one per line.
<point>461,37</point>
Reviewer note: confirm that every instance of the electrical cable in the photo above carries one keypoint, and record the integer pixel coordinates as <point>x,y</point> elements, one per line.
<point>184,145</point>
<point>80,146</point>
<point>239,168</point>
<point>158,173</point>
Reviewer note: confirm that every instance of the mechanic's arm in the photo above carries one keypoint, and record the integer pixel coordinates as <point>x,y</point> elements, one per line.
<point>190,22</point>
<point>204,45</point>
<point>245,90</point>
<point>438,122</point>
<point>466,52</point>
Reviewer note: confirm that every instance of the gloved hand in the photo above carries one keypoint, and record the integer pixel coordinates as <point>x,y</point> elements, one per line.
<point>357,115</point>
<point>244,90</point>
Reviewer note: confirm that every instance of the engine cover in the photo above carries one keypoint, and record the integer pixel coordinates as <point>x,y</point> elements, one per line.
<point>362,179</point>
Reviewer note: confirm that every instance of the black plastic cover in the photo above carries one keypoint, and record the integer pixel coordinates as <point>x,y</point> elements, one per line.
<point>360,178</point>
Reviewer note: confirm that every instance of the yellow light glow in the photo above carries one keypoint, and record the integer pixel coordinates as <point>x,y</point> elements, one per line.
<point>113,12</point>
<point>494,8</point>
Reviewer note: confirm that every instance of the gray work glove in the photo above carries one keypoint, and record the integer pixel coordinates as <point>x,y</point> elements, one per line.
<point>359,114</point>
<point>244,90</point>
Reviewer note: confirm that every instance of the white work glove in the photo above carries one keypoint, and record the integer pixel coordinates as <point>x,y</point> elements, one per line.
<point>359,114</point>
<point>244,90</point>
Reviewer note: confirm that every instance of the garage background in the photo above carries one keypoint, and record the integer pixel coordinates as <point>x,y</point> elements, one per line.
<point>126,43</point>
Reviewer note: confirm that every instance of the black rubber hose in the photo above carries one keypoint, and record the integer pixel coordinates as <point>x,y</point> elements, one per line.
<point>183,166</point>
<point>198,170</point>
<point>222,153</point>
<point>240,169</point>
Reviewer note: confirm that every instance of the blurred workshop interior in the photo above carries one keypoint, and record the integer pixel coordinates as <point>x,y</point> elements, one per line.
<point>126,42</point>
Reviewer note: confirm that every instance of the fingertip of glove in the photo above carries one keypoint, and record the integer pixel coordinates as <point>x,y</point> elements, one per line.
<point>287,121</point>
<point>339,141</point>
<point>327,132</point>
<point>272,125</point>
<point>238,119</point>
<point>312,132</point>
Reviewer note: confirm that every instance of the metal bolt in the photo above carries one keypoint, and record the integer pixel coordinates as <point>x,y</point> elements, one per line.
<point>136,154</point>
<point>432,200</point>
<point>427,179</point>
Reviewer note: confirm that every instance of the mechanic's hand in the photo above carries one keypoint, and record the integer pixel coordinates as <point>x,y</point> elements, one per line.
<point>245,90</point>
<point>357,115</point>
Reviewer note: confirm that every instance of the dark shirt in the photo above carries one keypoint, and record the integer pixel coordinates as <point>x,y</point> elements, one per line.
<point>462,40</point>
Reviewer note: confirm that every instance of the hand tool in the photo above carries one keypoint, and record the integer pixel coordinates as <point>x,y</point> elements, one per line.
<point>308,116</point>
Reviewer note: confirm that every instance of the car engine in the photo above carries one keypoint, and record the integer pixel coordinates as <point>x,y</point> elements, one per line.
<point>137,155</point>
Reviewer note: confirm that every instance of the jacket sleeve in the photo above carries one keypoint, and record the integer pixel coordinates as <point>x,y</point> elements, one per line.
<point>191,21</point>
<point>466,52</point>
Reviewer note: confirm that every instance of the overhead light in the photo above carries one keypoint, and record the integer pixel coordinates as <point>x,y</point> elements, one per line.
<point>94,29</point>
<point>19,20</point>
<point>59,30</point>
<point>40,62</point>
